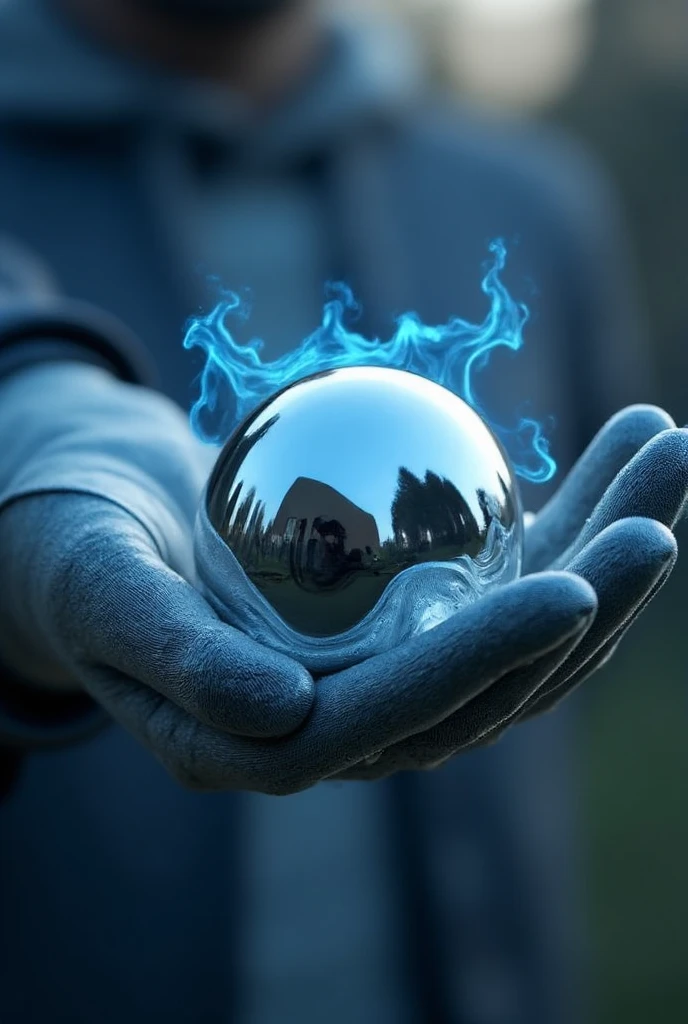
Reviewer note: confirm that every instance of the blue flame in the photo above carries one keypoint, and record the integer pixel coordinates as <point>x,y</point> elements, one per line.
<point>235,379</point>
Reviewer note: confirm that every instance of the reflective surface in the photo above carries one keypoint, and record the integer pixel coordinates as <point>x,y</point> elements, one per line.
<point>362,501</point>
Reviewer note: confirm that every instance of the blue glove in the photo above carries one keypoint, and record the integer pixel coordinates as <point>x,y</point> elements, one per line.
<point>99,593</point>
<point>608,523</point>
<point>101,486</point>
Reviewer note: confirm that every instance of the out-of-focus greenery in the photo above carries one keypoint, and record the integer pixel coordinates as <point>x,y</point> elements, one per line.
<point>632,110</point>
<point>630,105</point>
<point>634,765</point>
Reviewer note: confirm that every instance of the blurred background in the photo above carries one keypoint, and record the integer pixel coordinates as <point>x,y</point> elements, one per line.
<point>615,73</point>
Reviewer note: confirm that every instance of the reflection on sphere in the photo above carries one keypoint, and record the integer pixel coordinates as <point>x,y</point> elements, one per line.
<point>365,501</point>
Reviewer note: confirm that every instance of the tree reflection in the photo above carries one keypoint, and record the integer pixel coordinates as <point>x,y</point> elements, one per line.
<point>431,513</point>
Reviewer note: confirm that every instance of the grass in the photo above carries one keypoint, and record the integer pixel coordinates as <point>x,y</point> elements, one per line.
<point>635,767</point>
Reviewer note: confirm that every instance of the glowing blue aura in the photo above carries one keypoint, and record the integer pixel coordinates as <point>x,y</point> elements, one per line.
<point>235,379</point>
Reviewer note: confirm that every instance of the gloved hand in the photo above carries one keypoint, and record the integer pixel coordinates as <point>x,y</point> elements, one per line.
<point>95,543</point>
<point>609,524</point>
<point>98,494</point>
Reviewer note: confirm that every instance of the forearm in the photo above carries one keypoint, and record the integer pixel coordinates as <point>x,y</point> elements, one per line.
<point>70,427</point>
<point>42,704</point>
<point>35,333</point>
<point>41,348</point>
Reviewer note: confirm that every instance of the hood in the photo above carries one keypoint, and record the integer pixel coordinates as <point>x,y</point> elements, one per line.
<point>53,76</point>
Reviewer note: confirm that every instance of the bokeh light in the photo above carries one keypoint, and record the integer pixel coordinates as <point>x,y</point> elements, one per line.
<point>515,54</point>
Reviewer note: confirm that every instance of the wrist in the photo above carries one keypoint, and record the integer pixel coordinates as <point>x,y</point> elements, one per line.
<point>80,431</point>
<point>33,675</point>
<point>30,655</point>
<point>42,703</point>
<point>57,328</point>
<point>32,718</point>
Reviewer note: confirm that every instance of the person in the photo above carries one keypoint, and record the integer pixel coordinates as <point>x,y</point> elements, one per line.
<point>149,143</point>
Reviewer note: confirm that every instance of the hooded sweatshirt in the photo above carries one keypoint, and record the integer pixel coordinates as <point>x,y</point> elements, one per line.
<point>246,211</point>
<point>317,935</point>
<point>323,893</point>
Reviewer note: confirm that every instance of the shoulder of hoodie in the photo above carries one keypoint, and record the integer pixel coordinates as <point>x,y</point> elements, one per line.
<point>550,168</point>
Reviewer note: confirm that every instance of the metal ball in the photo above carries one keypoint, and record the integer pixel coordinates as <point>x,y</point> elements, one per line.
<point>363,505</point>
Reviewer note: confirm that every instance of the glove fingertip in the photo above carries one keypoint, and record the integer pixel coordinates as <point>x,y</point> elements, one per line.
<point>641,421</point>
<point>571,594</point>
<point>644,543</point>
<point>539,612</point>
<point>656,538</point>
<point>240,686</point>
<point>278,699</point>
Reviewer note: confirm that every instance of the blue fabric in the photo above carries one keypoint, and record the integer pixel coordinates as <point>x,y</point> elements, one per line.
<point>95,560</point>
<point>128,889</point>
<point>322,857</point>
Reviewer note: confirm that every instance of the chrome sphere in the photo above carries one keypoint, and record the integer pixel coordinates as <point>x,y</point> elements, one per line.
<point>355,508</point>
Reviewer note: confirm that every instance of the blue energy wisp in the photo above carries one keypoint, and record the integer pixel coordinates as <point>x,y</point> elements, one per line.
<point>235,379</point>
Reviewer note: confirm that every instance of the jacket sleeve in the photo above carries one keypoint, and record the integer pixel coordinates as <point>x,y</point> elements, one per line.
<point>59,329</point>
<point>56,330</point>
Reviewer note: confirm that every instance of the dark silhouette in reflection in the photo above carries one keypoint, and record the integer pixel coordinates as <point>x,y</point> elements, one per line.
<point>318,542</point>
<point>431,513</point>
<point>220,502</point>
<point>325,538</point>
